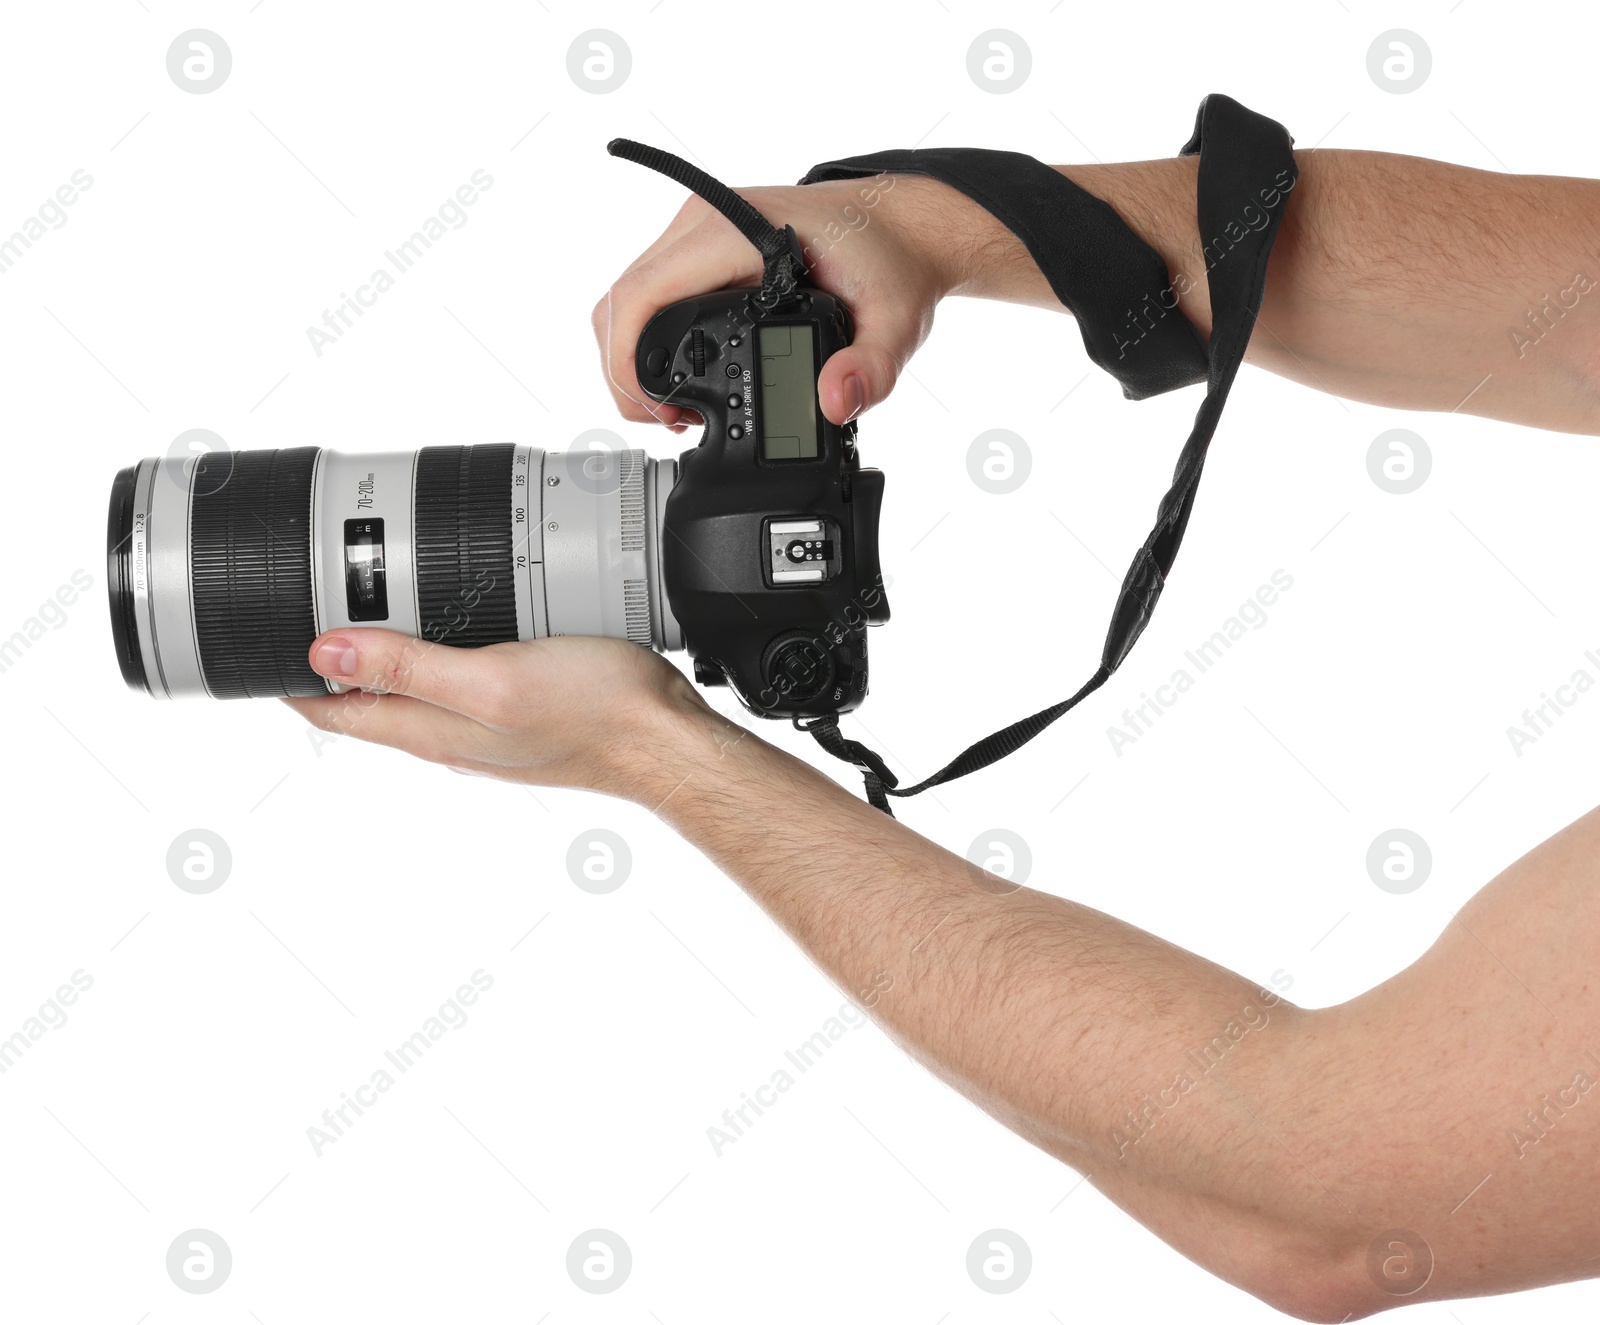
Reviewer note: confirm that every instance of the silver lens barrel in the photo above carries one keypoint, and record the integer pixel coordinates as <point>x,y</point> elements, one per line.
<point>223,570</point>
<point>596,532</point>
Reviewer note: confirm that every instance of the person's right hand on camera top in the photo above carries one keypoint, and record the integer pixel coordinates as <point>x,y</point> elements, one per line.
<point>890,247</point>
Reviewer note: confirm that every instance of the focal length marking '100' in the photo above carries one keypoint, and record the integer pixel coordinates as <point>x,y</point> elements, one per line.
<point>224,568</point>
<point>762,541</point>
<point>756,550</point>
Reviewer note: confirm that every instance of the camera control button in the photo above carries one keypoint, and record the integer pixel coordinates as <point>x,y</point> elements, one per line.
<point>736,432</point>
<point>733,370</point>
<point>656,361</point>
<point>798,665</point>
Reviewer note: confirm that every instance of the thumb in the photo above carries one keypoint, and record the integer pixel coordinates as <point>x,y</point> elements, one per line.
<point>864,373</point>
<point>465,680</point>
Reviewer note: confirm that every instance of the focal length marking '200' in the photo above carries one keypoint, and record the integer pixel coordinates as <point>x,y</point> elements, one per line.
<point>222,574</point>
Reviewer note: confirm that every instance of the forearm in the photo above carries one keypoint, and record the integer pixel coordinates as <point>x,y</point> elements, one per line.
<point>1068,1025</point>
<point>1395,280</point>
<point>1279,1148</point>
<point>1273,1145</point>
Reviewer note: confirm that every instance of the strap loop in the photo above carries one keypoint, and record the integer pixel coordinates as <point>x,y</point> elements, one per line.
<point>784,262</point>
<point>880,782</point>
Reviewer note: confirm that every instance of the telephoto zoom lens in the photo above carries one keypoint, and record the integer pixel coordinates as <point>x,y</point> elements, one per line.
<point>223,567</point>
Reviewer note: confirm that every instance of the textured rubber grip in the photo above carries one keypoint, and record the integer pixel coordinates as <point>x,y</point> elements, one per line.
<point>250,572</point>
<point>466,595</point>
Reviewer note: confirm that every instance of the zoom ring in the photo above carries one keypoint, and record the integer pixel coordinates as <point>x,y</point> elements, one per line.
<point>250,568</point>
<point>465,592</point>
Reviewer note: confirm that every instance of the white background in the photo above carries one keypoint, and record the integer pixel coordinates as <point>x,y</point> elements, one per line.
<point>365,887</point>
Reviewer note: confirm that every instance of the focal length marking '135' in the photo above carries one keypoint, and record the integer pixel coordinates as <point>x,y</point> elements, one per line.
<point>223,573</point>
<point>758,550</point>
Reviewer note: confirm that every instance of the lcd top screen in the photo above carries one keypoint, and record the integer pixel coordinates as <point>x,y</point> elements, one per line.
<point>789,422</point>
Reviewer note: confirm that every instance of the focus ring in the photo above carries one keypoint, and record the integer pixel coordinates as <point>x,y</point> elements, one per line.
<point>465,592</point>
<point>250,572</point>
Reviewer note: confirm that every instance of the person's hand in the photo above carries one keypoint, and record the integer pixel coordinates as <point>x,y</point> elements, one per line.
<point>600,714</point>
<point>889,246</point>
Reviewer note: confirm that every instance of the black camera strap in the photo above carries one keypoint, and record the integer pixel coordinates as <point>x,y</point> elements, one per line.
<point>784,264</point>
<point>1119,290</point>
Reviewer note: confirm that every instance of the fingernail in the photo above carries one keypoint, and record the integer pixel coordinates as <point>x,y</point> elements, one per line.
<point>854,397</point>
<point>335,657</point>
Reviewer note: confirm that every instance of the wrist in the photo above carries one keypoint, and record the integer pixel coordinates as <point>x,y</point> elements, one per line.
<point>968,251</point>
<point>932,225</point>
<point>670,735</point>
<point>953,238</point>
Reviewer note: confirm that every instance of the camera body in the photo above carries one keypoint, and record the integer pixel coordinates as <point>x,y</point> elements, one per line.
<point>769,541</point>
<point>757,550</point>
